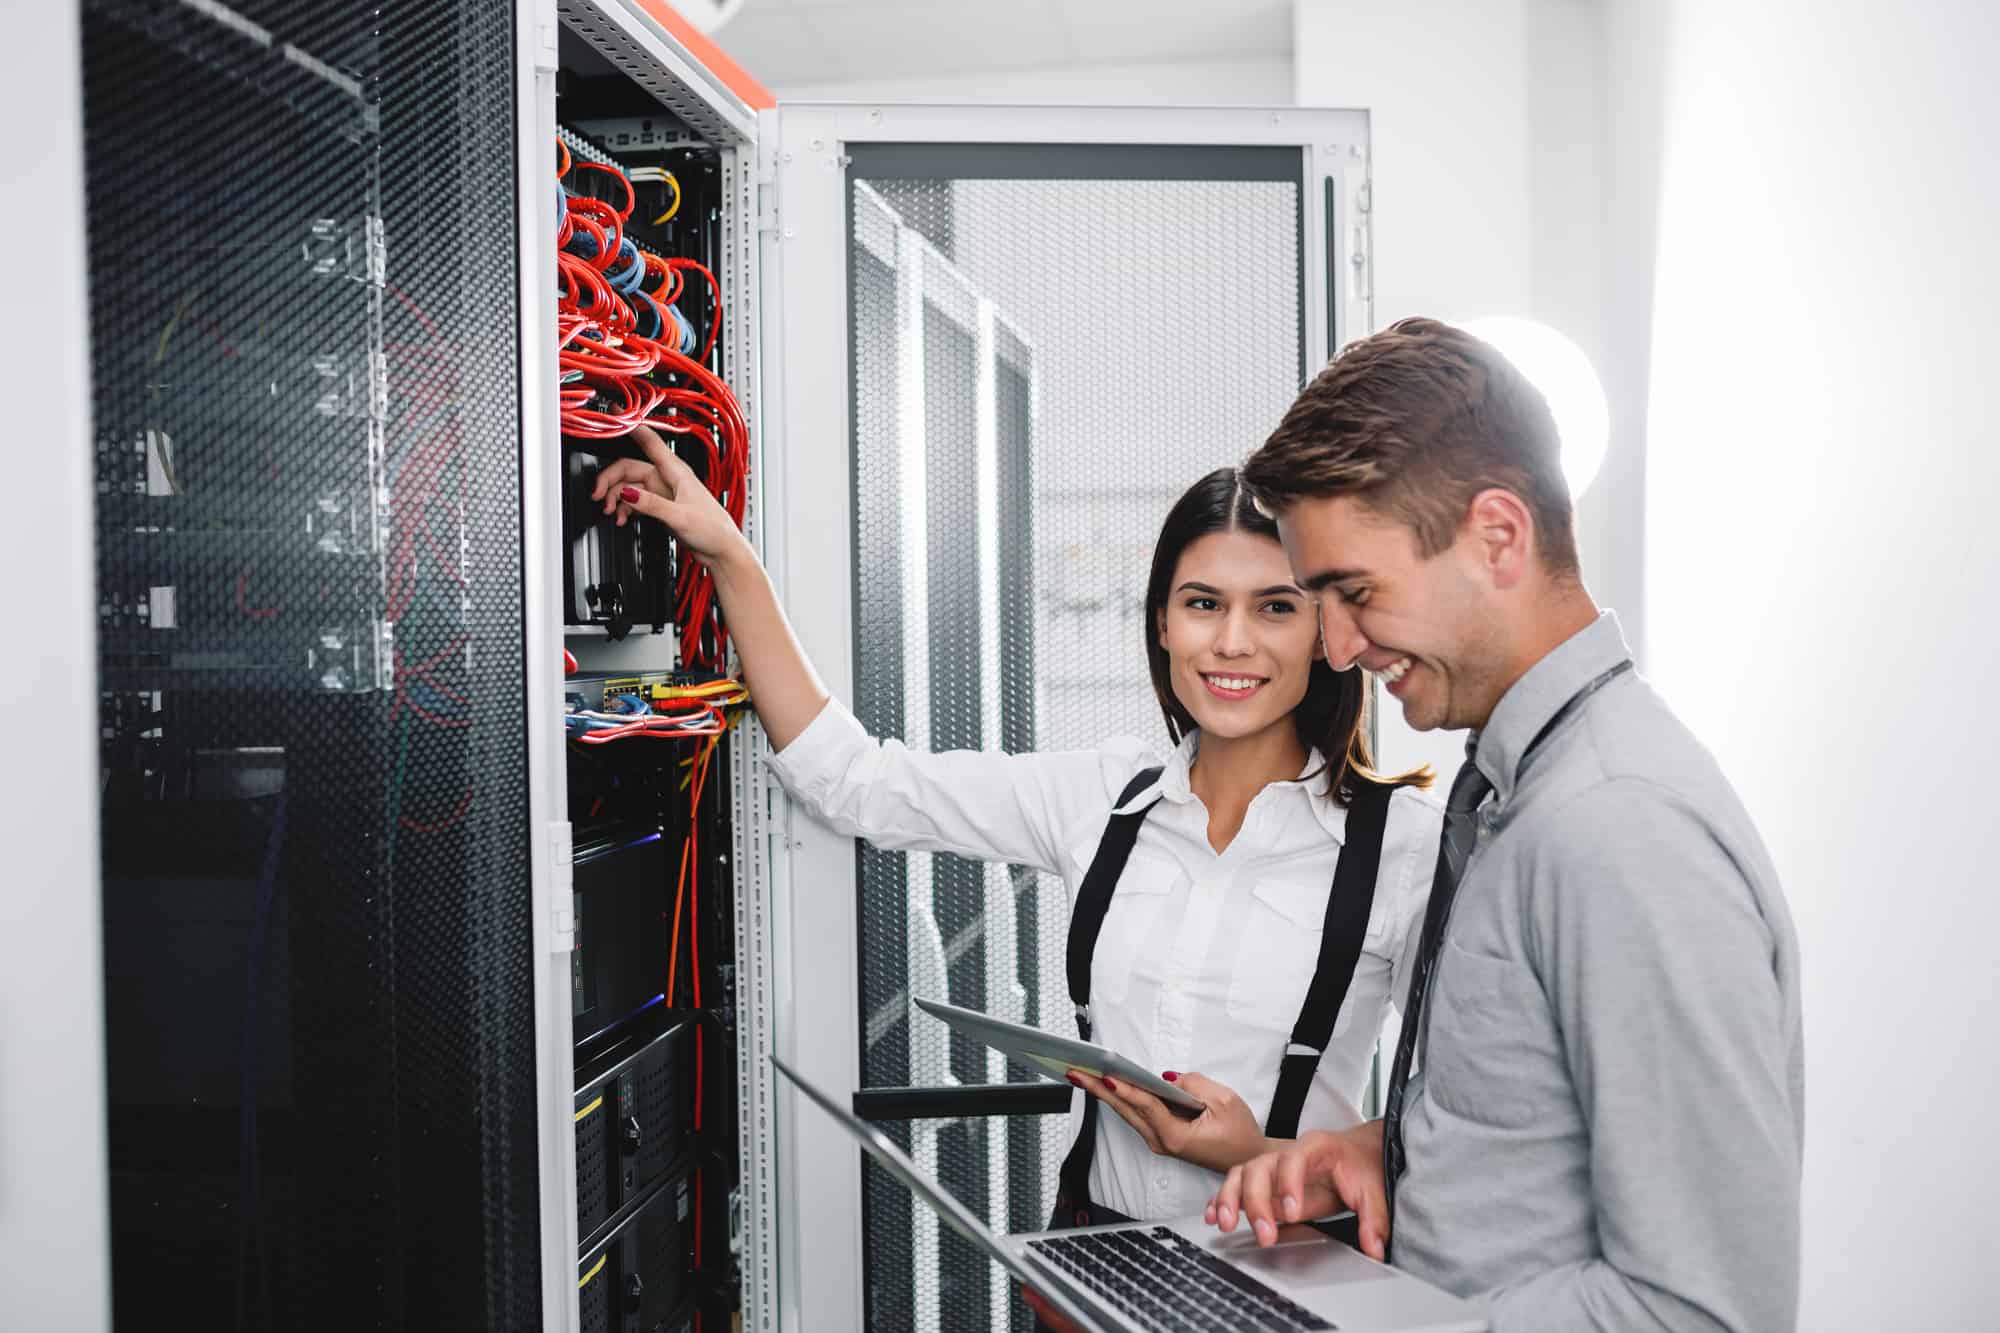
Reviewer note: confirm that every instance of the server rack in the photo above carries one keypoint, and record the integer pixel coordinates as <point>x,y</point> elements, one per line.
<point>679,1241</point>
<point>332,778</point>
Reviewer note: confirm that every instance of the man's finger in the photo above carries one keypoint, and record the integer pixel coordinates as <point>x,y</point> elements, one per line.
<point>1361,1189</point>
<point>1228,1198</point>
<point>1292,1183</point>
<point>1257,1200</point>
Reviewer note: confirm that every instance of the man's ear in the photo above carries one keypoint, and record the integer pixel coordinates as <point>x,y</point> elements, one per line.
<point>1502,532</point>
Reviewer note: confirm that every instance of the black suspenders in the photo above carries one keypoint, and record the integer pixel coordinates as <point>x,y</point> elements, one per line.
<point>1092,901</point>
<point>1347,909</point>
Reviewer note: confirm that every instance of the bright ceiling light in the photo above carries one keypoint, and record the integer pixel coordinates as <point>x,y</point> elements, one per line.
<point>1558,367</point>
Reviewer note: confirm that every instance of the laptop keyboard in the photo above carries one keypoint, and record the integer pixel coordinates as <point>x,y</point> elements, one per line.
<point>1168,1284</point>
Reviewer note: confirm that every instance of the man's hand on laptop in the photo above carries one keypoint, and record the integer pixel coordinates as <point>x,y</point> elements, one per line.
<point>1316,1176</point>
<point>1220,1137</point>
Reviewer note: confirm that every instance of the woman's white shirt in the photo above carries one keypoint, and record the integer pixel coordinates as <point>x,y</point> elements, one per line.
<point>1204,959</point>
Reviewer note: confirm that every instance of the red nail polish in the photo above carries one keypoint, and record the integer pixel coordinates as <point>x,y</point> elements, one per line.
<point>629,494</point>
<point>1171,1077</point>
<point>1109,1084</point>
<point>1074,1080</point>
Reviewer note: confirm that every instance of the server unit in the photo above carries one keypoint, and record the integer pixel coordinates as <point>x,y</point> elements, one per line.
<point>621,925</point>
<point>637,1279</point>
<point>429,1002</point>
<point>634,1121</point>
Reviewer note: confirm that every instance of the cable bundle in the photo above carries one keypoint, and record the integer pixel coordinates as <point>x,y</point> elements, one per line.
<point>674,712</point>
<point>628,357</point>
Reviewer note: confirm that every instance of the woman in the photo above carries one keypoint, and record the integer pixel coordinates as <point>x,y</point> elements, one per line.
<point>1212,877</point>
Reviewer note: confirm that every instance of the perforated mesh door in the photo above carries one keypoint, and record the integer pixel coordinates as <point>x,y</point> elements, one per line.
<point>1049,344</point>
<point>317,931</point>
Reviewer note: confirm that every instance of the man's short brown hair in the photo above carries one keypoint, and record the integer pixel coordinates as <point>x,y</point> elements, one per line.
<point>1415,421</point>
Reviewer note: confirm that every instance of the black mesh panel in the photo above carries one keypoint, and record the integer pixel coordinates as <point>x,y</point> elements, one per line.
<point>319,1005</point>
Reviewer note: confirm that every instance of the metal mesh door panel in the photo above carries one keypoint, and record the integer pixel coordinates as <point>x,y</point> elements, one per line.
<point>1047,348</point>
<point>307,435</point>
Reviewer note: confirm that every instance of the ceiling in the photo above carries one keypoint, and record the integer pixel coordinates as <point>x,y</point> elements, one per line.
<point>812,42</point>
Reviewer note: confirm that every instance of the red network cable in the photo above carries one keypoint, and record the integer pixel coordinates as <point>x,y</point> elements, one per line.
<point>613,378</point>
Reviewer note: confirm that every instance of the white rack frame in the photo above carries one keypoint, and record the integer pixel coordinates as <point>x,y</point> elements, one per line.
<point>54,1178</point>
<point>651,57</point>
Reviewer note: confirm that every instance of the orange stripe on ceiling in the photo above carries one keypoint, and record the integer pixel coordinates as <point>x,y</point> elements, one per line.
<point>712,57</point>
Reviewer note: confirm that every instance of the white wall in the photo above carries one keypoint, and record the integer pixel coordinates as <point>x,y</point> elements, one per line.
<point>1169,83</point>
<point>1488,151</point>
<point>1821,559</point>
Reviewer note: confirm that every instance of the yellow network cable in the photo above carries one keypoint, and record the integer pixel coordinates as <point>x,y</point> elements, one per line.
<point>592,1107</point>
<point>689,763</point>
<point>675,207</point>
<point>595,1269</point>
<point>726,693</point>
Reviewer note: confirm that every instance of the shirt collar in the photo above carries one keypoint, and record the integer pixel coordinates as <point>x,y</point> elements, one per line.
<point>1538,696</point>
<point>1313,781</point>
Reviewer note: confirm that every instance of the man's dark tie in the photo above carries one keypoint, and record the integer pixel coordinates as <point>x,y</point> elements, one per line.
<point>1468,789</point>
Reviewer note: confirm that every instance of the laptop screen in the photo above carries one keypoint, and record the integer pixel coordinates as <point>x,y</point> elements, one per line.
<point>955,1214</point>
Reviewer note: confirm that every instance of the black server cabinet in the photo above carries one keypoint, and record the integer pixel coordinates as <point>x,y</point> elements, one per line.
<point>320,1036</point>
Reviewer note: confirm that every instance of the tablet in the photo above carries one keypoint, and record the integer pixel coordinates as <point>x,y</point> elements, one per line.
<point>1054,1056</point>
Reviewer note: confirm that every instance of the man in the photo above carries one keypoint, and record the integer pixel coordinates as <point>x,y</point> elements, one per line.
<point>1596,1111</point>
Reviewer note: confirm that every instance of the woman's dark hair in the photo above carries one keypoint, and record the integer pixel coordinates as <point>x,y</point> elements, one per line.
<point>1332,718</point>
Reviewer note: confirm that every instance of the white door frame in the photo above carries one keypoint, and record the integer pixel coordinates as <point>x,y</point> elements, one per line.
<point>808,543</point>
<point>55,1268</point>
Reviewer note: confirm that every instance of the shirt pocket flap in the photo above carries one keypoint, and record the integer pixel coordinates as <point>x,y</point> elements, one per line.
<point>1301,903</point>
<point>1145,871</point>
<point>1132,940</point>
<point>1276,952</point>
<point>1304,904</point>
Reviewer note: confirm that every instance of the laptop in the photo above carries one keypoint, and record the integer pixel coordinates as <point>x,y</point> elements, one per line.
<point>1183,1276</point>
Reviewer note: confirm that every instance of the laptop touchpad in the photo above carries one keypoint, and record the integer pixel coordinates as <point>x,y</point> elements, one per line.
<point>1305,1258</point>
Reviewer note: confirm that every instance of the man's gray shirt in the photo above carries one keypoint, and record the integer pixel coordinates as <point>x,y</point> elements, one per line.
<point>1607,1130</point>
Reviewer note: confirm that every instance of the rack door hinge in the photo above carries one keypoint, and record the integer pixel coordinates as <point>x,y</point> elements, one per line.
<point>560,869</point>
